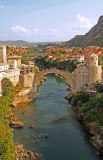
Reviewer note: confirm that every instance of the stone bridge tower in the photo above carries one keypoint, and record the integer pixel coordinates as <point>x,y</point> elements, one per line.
<point>91,61</point>
<point>3,58</point>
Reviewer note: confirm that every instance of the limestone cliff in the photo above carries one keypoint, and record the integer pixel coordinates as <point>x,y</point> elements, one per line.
<point>93,37</point>
<point>21,97</point>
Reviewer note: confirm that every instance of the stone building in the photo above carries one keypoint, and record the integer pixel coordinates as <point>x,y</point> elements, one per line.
<point>27,75</point>
<point>12,64</point>
<point>8,67</point>
<point>3,58</point>
<point>86,73</point>
<point>14,61</point>
<point>25,69</point>
<point>12,75</point>
<point>91,61</point>
<point>3,67</point>
<point>80,77</point>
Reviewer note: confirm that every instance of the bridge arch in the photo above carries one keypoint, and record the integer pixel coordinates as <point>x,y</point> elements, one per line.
<point>39,75</point>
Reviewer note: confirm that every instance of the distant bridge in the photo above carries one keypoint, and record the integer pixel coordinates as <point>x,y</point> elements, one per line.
<point>30,56</point>
<point>39,75</point>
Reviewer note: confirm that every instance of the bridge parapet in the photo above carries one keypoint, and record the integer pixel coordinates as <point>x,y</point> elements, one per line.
<point>66,75</point>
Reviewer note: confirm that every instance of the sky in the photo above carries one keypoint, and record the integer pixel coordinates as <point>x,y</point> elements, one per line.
<point>47,20</point>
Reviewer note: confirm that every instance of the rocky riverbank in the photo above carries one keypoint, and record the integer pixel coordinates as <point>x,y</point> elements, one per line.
<point>96,133</point>
<point>23,154</point>
<point>21,97</point>
<point>93,128</point>
<point>13,121</point>
<point>20,152</point>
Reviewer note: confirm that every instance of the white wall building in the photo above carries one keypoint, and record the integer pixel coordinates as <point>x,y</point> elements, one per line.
<point>12,75</point>
<point>3,67</point>
<point>12,64</point>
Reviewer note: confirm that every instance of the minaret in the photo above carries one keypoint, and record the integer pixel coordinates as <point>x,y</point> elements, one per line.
<point>3,57</point>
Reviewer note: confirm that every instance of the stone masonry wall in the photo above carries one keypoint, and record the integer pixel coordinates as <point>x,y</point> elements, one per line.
<point>26,81</point>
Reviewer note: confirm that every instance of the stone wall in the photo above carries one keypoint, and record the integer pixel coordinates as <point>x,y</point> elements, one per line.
<point>3,58</point>
<point>78,81</point>
<point>26,81</point>
<point>13,75</point>
<point>95,73</point>
<point>91,60</point>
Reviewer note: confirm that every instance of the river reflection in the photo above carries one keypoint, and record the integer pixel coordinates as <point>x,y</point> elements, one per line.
<point>51,114</point>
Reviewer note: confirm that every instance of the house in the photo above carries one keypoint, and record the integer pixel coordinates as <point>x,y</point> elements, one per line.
<point>14,61</point>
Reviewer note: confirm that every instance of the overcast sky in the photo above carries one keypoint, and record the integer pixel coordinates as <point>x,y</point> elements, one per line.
<point>47,20</point>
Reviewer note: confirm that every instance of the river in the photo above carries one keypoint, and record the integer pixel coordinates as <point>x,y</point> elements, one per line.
<point>51,114</point>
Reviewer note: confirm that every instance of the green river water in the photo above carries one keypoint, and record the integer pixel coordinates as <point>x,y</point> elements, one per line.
<point>51,114</point>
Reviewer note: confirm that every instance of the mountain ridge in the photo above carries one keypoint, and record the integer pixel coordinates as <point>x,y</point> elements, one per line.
<point>93,37</point>
<point>21,43</point>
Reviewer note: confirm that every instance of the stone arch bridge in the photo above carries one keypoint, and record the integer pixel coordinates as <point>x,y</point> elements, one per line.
<point>39,75</point>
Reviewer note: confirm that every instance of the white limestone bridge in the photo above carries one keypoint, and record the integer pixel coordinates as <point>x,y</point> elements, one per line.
<point>39,75</point>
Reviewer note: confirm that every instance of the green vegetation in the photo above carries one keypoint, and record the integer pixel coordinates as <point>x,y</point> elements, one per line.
<point>80,98</point>
<point>7,88</point>
<point>76,41</point>
<point>24,60</point>
<point>58,52</point>
<point>7,148</point>
<point>36,69</point>
<point>17,43</point>
<point>47,63</point>
<point>92,108</point>
<point>99,88</point>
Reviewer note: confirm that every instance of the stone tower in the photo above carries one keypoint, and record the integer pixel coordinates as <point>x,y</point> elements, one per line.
<point>91,61</point>
<point>3,58</point>
<point>80,77</point>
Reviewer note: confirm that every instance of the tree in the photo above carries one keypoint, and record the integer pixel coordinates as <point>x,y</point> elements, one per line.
<point>7,87</point>
<point>7,148</point>
<point>24,60</point>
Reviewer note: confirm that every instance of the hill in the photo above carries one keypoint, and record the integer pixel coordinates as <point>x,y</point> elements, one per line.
<point>17,43</point>
<point>94,37</point>
<point>21,43</point>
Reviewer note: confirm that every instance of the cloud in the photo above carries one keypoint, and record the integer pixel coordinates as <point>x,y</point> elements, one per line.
<point>45,31</point>
<point>84,22</point>
<point>21,30</point>
<point>2,7</point>
<point>35,32</point>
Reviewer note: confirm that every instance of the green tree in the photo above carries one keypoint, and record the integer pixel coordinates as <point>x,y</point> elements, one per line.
<point>7,87</point>
<point>7,148</point>
<point>24,60</point>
